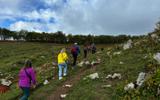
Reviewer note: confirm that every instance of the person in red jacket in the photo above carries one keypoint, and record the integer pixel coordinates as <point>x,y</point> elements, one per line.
<point>75,50</point>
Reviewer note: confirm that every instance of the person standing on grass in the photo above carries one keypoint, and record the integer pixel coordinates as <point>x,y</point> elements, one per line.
<point>27,78</point>
<point>93,48</point>
<point>85,50</point>
<point>75,50</point>
<point>62,63</point>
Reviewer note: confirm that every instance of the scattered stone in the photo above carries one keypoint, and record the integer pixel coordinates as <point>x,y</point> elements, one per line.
<point>87,63</point>
<point>93,63</point>
<point>46,82</point>
<point>137,43</point>
<point>81,64</point>
<point>6,82</point>
<point>145,57</point>
<point>141,78</point>
<point>158,90</point>
<point>154,36</point>
<point>108,53</point>
<point>117,53</point>
<point>109,76</point>
<point>114,76</point>
<point>43,57</point>
<point>121,62</point>
<point>128,45</point>
<point>157,57</point>
<point>99,60</point>
<point>129,86</point>
<point>63,96</point>
<point>68,86</point>
<point>84,78</point>
<point>98,52</point>
<point>93,76</point>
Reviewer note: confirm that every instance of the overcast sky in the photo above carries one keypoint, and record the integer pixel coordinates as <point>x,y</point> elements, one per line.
<point>109,17</point>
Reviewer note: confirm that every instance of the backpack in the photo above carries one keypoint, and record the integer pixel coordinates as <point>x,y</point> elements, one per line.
<point>73,50</point>
<point>29,76</point>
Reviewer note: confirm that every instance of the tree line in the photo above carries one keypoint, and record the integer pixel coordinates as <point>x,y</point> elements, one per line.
<point>60,37</point>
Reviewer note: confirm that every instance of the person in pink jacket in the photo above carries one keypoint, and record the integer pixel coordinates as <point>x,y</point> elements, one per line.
<point>27,78</point>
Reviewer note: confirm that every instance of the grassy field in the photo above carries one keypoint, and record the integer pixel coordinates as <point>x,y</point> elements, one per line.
<point>42,55</point>
<point>13,56</point>
<point>134,61</point>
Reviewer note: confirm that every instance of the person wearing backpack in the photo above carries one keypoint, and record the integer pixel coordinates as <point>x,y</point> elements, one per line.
<point>62,63</point>
<point>75,50</point>
<point>27,78</point>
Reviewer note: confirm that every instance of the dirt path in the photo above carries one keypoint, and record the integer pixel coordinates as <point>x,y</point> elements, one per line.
<point>71,81</point>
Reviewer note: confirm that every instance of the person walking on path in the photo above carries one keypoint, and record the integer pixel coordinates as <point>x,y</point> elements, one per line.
<point>75,50</point>
<point>85,50</point>
<point>62,63</point>
<point>93,48</point>
<point>27,78</point>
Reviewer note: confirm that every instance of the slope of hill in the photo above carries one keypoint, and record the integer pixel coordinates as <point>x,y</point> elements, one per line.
<point>129,63</point>
<point>126,64</point>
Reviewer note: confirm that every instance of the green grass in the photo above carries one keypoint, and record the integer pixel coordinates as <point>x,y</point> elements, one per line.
<point>12,59</point>
<point>134,63</point>
<point>13,56</point>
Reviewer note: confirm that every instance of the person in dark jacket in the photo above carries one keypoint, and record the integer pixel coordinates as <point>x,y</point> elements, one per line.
<point>75,51</point>
<point>85,50</point>
<point>93,48</point>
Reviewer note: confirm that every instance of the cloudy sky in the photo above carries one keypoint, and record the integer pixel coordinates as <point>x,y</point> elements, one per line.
<point>109,17</point>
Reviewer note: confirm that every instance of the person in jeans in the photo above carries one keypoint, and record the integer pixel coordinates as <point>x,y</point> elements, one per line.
<point>75,50</point>
<point>27,79</point>
<point>62,63</point>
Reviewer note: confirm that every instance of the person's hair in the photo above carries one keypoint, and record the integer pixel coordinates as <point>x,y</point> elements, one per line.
<point>63,50</point>
<point>28,64</point>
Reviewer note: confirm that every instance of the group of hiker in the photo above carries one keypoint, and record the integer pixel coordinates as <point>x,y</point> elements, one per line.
<point>27,75</point>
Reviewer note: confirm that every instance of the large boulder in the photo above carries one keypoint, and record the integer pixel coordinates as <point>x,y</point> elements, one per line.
<point>157,57</point>
<point>128,45</point>
<point>6,82</point>
<point>129,86</point>
<point>141,78</point>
